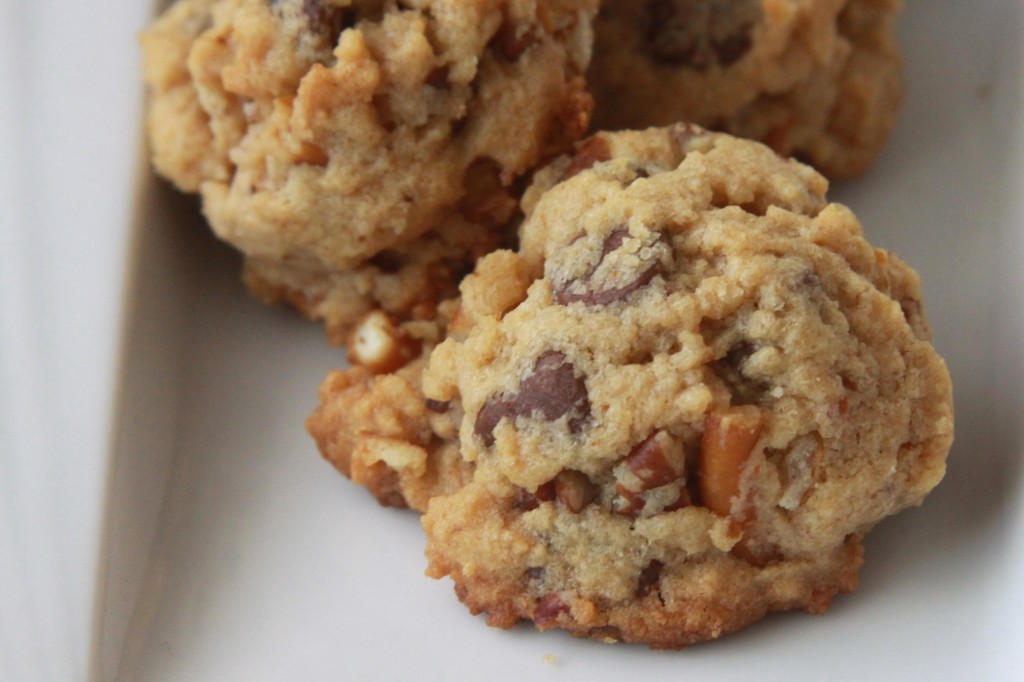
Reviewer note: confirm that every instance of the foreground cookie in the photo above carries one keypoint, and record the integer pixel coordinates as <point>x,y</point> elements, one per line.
<point>711,390</point>
<point>327,137</point>
<point>816,79</point>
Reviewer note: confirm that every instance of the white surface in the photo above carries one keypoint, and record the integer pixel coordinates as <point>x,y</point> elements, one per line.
<point>232,552</point>
<point>69,110</point>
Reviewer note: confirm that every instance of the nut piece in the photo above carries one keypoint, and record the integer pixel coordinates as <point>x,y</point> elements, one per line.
<point>379,345</point>
<point>312,154</point>
<point>594,150</point>
<point>548,609</point>
<point>657,461</point>
<point>729,437</point>
<point>529,501</point>
<point>575,490</point>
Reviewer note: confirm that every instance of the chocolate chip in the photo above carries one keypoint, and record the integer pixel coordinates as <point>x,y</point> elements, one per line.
<point>584,289</point>
<point>650,576</point>
<point>511,43</point>
<point>487,419</point>
<point>326,21</point>
<point>554,390</point>
<point>438,77</point>
<point>594,150</point>
<point>698,33</point>
<point>388,261</point>
<point>551,391</point>
<point>809,280</point>
<point>745,390</point>
<point>438,406</point>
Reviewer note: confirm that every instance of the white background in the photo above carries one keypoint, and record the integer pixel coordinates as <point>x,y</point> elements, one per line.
<point>151,437</point>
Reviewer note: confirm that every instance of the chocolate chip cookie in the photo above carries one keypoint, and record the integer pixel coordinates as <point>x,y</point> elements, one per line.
<point>816,79</point>
<point>678,407</point>
<point>348,147</point>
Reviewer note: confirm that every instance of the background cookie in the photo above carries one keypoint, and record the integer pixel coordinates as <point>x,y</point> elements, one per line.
<point>818,79</point>
<point>322,134</point>
<point>713,390</point>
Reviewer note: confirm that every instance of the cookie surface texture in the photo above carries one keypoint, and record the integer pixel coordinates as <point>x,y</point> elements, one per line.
<point>328,139</point>
<point>711,389</point>
<point>816,79</point>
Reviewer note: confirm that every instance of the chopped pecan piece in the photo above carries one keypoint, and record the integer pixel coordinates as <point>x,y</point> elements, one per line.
<point>548,608</point>
<point>729,437</point>
<point>379,345</point>
<point>575,490</point>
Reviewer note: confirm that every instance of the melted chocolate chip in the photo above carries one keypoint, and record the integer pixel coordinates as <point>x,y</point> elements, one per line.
<point>326,21</point>
<point>487,419</point>
<point>649,578</point>
<point>388,261</point>
<point>745,390</point>
<point>551,391</point>
<point>438,406</point>
<point>534,573</point>
<point>511,43</point>
<point>583,289</point>
<point>554,390</point>
<point>438,77</point>
<point>700,34</point>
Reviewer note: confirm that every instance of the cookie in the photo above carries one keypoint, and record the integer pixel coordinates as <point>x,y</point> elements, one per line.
<point>708,390</point>
<point>817,79</point>
<point>328,136</point>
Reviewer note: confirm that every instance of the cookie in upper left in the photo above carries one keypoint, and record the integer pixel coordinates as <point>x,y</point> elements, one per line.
<point>362,154</point>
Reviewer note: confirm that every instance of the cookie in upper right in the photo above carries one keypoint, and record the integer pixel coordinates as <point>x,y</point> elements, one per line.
<point>820,80</point>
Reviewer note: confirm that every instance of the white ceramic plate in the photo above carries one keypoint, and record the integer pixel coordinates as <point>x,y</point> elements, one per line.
<point>232,552</point>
